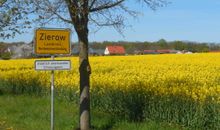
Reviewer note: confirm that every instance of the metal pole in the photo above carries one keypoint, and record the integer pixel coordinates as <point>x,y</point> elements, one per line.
<point>52,97</point>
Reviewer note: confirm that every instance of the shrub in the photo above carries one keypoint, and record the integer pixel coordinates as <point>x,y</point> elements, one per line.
<point>6,56</point>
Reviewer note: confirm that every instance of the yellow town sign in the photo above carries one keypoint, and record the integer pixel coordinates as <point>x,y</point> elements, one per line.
<point>52,41</point>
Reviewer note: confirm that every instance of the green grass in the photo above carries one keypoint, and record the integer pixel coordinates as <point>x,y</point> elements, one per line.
<point>146,126</point>
<point>24,112</point>
<point>33,113</point>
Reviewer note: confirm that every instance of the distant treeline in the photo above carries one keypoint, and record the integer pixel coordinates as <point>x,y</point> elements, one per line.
<point>130,47</point>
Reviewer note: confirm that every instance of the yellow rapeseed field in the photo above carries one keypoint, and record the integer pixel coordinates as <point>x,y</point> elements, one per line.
<point>176,88</point>
<point>190,75</point>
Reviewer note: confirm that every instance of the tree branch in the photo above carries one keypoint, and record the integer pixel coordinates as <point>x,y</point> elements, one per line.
<point>92,3</point>
<point>72,6</point>
<point>106,6</point>
<point>2,2</point>
<point>153,4</point>
<point>63,19</point>
<point>55,12</point>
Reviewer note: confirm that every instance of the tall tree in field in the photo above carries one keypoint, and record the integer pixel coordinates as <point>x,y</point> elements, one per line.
<point>13,17</point>
<point>83,14</point>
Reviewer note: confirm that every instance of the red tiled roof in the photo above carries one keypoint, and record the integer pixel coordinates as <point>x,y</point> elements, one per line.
<point>149,51</point>
<point>116,49</point>
<point>164,51</point>
<point>216,51</point>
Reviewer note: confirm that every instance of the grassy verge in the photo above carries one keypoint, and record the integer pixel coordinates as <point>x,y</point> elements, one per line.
<point>33,113</point>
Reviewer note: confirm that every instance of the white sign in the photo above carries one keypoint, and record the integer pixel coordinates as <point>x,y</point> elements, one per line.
<point>52,65</point>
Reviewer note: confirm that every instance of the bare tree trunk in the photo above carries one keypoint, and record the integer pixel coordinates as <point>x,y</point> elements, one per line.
<point>85,72</point>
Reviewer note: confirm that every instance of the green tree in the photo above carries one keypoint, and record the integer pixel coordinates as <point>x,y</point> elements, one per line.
<point>162,43</point>
<point>179,45</point>
<point>2,46</point>
<point>6,55</point>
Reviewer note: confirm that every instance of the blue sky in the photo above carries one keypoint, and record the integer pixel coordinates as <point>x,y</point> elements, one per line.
<point>190,20</point>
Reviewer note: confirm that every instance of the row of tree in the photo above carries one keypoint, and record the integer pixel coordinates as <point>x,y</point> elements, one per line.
<point>130,47</point>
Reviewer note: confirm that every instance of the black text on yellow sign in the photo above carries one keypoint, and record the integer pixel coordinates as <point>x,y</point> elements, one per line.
<point>52,42</point>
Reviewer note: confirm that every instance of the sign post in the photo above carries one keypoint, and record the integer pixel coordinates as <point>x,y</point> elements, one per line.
<point>52,97</point>
<point>51,42</point>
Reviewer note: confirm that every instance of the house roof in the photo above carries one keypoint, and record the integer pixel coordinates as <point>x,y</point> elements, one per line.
<point>164,51</point>
<point>160,51</point>
<point>215,51</point>
<point>116,49</point>
<point>149,51</point>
